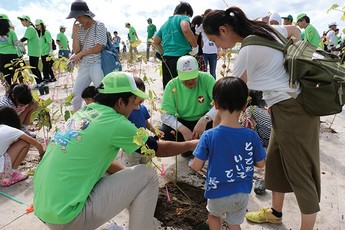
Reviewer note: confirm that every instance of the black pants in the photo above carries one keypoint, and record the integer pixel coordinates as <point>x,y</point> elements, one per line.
<point>169,69</point>
<point>34,63</point>
<point>6,59</point>
<point>170,134</point>
<point>47,68</point>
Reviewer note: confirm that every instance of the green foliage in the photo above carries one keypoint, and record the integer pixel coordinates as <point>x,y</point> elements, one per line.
<point>42,114</point>
<point>336,7</point>
<point>22,71</point>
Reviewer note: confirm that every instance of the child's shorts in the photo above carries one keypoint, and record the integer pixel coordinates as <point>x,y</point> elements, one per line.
<point>232,207</point>
<point>5,166</point>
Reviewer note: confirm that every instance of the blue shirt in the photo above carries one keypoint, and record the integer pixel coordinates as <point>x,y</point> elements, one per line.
<point>139,116</point>
<point>231,154</point>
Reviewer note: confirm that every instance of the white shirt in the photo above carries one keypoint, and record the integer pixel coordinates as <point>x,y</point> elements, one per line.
<point>331,39</point>
<point>8,135</point>
<point>265,71</point>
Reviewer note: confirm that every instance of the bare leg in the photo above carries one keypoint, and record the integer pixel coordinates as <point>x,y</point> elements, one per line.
<point>234,227</point>
<point>17,152</point>
<point>25,115</point>
<point>214,222</point>
<point>308,221</point>
<point>278,201</point>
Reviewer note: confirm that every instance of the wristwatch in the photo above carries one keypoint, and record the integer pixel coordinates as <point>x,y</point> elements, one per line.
<point>207,118</point>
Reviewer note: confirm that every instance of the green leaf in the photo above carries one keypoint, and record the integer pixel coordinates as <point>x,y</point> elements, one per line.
<point>67,115</point>
<point>48,102</point>
<point>35,96</point>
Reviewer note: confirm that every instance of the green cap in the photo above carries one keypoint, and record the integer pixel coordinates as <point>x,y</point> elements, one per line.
<point>121,82</point>
<point>149,19</point>
<point>187,68</point>
<point>3,16</point>
<point>24,17</point>
<point>300,16</point>
<point>288,17</point>
<point>38,22</point>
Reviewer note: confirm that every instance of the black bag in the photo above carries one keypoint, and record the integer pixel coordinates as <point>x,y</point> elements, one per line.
<point>320,74</point>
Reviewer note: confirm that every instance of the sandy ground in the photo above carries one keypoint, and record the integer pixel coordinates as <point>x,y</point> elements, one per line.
<point>331,216</point>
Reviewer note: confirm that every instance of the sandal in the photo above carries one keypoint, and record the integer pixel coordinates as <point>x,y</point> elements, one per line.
<point>15,178</point>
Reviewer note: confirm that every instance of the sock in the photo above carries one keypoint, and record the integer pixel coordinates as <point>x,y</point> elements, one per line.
<point>276,213</point>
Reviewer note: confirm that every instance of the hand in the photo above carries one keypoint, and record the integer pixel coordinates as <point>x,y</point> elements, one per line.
<point>199,128</point>
<point>198,29</point>
<point>75,57</point>
<point>75,28</point>
<point>194,51</point>
<point>186,133</point>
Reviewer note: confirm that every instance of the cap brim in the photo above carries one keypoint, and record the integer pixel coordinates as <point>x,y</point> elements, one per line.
<point>185,76</point>
<point>140,94</point>
<point>78,13</point>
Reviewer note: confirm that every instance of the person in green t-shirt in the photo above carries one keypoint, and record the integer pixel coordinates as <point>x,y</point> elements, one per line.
<point>71,191</point>
<point>175,39</point>
<point>310,33</point>
<point>132,38</point>
<point>8,50</point>
<point>187,103</point>
<point>34,52</point>
<point>151,30</point>
<point>46,50</point>
<point>62,41</point>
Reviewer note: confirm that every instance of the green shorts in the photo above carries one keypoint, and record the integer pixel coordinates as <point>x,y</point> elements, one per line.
<point>293,155</point>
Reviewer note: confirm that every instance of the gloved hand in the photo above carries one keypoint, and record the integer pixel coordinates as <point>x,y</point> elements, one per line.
<point>198,29</point>
<point>194,51</point>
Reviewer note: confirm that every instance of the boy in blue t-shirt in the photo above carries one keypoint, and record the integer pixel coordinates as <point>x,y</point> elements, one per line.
<point>232,151</point>
<point>140,118</point>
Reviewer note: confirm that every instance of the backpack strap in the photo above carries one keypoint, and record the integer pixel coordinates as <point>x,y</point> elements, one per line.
<point>261,41</point>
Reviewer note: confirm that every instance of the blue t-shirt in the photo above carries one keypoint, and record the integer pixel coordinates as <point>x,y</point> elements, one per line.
<point>139,116</point>
<point>231,154</point>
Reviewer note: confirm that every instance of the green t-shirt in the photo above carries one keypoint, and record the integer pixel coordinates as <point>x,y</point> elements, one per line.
<point>188,104</point>
<point>33,42</point>
<point>62,38</point>
<point>151,30</point>
<point>6,43</point>
<point>44,43</point>
<point>131,34</point>
<point>311,35</point>
<point>76,158</point>
<point>174,42</point>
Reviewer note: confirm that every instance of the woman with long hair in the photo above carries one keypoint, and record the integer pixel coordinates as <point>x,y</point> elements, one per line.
<point>293,159</point>
<point>8,50</point>
<point>34,52</point>
<point>46,49</point>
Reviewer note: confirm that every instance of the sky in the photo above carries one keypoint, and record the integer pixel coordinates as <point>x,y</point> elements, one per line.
<point>115,13</point>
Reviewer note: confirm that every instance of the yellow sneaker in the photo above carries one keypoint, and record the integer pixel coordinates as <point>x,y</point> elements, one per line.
<point>263,216</point>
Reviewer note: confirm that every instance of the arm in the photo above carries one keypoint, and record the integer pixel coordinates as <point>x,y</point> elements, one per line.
<point>33,142</point>
<point>188,33</point>
<point>157,44</point>
<point>115,167</point>
<point>293,31</point>
<point>172,148</point>
<point>172,122</point>
<point>198,164</point>
<point>260,164</point>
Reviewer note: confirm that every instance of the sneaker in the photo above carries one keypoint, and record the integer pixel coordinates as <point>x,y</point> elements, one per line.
<point>263,216</point>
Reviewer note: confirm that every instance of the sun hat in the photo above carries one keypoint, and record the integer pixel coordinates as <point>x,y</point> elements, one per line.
<point>149,19</point>
<point>121,82</point>
<point>332,24</point>
<point>80,8</point>
<point>4,16</point>
<point>300,16</point>
<point>288,17</point>
<point>187,68</point>
<point>24,17</point>
<point>39,22</point>
<point>275,17</point>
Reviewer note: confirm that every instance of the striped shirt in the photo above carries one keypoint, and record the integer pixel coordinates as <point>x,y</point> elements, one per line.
<point>96,34</point>
<point>5,101</point>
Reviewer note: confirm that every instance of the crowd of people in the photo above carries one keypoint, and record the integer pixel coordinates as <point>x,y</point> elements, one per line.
<point>201,119</point>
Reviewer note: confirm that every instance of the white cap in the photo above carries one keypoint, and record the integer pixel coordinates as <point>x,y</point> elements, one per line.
<point>187,68</point>
<point>275,17</point>
<point>332,24</point>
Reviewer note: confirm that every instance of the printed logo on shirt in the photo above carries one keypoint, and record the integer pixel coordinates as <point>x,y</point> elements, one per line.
<point>201,99</point>
<point>3,39</point>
